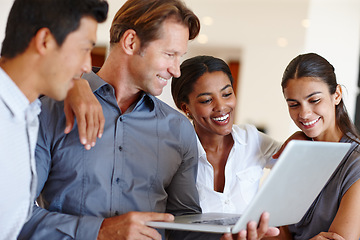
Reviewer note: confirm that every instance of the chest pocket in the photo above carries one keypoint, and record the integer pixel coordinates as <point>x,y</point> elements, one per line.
<point>248,182</point>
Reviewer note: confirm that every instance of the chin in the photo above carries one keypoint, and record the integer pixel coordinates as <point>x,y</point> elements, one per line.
<point>226,132</point>
<point>59,96</point>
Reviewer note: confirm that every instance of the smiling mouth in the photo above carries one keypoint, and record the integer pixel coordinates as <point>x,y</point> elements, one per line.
<point>162,79</point>
<point>308,124</point>
<point>222,118</point>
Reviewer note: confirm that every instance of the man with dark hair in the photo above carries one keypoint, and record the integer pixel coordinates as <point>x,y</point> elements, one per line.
<point>46,47</point>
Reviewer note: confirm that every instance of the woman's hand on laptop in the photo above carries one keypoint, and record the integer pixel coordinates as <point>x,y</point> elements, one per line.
<point>327,235</point>
<point>299,135</point>
<point>254,231</point>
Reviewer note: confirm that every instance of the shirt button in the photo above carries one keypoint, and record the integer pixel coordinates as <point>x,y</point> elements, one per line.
<point>121,119</point>
<point>116,213</point>
<point>120,148</point>
<point>118,180</point>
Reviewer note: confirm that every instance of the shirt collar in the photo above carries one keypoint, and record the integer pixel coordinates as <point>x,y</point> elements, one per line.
<point>94,80</point>
<point>97,83</point>
<point>237,138</point>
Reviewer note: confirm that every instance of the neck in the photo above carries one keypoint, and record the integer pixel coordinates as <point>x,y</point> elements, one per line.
<point>214,142</point>
<point>217,150</point>
<point>22,73</point>
<point>330,136</point>
<point>125,92</point>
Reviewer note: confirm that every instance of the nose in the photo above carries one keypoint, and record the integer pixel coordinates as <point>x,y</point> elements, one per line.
<point>87,64</point>
<point>305,112</point>
<point>174,69</point>
<point>219,104</point>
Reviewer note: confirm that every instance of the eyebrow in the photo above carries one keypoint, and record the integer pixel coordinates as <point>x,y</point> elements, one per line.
<point>227,86</point>
<point>206,93</point>
<point>308,96</point>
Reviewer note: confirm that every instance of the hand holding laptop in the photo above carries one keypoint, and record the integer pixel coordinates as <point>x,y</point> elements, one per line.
<point>297,178</point>
<point>131,226</point>
<point>254,231</point>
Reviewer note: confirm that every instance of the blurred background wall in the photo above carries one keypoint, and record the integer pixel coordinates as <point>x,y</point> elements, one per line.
<point>258,38</point>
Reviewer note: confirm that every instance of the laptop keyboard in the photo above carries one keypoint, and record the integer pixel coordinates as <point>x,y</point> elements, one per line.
<point>222,221</point>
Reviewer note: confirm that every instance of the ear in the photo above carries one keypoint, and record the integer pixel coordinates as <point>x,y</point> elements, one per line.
<point>338,94</point>
<point>130,42</point>
<point>185,109</point>
<point>44,41</point>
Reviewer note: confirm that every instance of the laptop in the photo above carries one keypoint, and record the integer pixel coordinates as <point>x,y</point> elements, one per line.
<point>302,170</point>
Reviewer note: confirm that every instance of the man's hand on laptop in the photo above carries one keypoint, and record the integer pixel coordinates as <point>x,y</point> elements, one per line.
<point>132,226</point>
<point>254,231</point>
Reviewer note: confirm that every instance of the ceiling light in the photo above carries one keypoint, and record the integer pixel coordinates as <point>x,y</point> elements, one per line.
<point>202,38</point>
<point>305,23</point>
<point>282,42</point>
<point>208,21</point>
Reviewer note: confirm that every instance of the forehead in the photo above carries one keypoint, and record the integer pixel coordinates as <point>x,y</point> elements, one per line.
<point>174,35</point>
<point>214,81</point>
<point>304,86</point>
<point>85,33</point>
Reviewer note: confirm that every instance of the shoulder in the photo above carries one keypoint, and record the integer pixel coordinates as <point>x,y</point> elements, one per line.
<point>354,153</point>
<point>166,111</point>
<point>173,121</point>
<point>348,170</point>
<point>245,132</point>
<point>50,107</point>
<point>243,128</point>
<point>163,107</point>
<point>52,114</point>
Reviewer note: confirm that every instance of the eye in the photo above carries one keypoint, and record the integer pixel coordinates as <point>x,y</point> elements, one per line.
<point>227,94</point>
<point>171,55</point>
<point>87,50</point>
<point>293,105</point>
<point>205,101</point>
<point>315,100</point>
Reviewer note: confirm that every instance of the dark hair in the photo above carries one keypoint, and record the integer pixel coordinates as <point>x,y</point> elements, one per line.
<point>313,65</point>
<point>61,17</point>
<point>191,70</point>
<point>146,17</point>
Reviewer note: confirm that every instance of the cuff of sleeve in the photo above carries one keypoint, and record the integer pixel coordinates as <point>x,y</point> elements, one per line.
<point>89,227</point>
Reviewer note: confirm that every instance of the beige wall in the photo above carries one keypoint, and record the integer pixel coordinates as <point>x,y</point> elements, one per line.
<point>248,30</point>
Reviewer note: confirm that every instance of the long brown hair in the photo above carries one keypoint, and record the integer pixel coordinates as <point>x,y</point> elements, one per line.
<point>313,65</point>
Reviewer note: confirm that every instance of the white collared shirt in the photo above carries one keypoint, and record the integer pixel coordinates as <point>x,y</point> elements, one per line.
<point>19,126</point>
<point>251,152</point>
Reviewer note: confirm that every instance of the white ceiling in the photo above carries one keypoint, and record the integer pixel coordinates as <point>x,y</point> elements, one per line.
<point>236,23</point>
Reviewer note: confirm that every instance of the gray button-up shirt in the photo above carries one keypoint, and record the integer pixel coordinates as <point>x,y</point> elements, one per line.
<point>146,160</point>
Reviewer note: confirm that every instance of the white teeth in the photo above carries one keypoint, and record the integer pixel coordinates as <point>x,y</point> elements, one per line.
<point>163,79</point>
<point>223,118</point>
<point>310,123</point>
